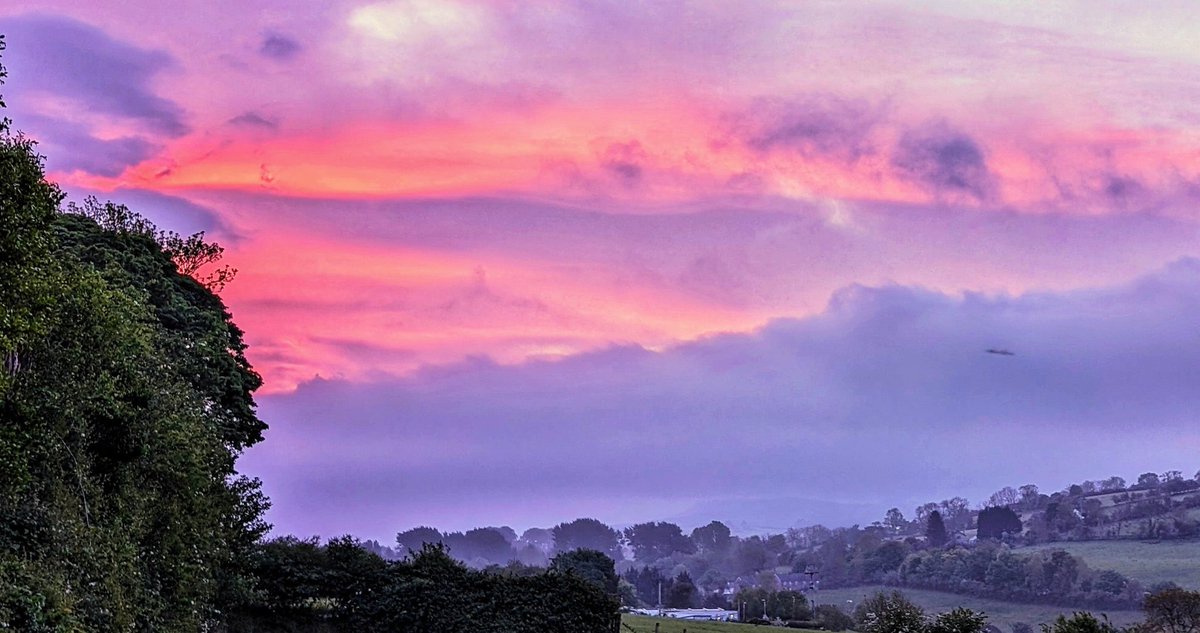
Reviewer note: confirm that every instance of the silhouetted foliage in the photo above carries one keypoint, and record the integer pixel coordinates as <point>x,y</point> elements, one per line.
<point>935,530</point>
<point>587,534</point>
<point>997,521</point>
<point>342,587</point>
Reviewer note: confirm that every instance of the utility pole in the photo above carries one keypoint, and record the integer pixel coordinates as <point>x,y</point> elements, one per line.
<point>660,597</point>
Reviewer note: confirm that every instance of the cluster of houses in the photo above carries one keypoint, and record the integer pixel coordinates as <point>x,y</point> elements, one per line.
<point>804,582</point>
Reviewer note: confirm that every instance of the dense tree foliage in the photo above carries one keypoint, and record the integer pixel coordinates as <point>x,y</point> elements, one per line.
<point>655,540</point>
<point>587,534</point>
<point>997,522</point>
<point>591,565</point>
<point>125,400</point>
<point>340,586</point>
<point>935,530</point>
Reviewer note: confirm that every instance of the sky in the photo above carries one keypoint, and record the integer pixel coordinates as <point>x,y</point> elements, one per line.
<point>517,263</point>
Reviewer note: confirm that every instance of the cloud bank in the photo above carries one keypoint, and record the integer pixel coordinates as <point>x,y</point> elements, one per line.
<point>888,397</point>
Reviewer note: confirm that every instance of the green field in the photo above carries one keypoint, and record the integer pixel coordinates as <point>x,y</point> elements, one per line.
<point>1002,614</point>
<point>1147,563</point>
<point>642,624</point>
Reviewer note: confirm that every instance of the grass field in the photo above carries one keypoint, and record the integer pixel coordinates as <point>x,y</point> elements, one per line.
<point>642,624</point>
<point>1002,614</point>
<point>1147,563</point>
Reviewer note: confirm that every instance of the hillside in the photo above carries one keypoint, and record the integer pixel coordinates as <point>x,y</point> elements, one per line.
<point>1147,563</point>
<point>1001,614</point>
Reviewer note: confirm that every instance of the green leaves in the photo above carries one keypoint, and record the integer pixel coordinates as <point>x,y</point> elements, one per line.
<point>125,398</point>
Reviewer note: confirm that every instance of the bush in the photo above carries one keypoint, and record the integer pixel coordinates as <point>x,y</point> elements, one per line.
<point>1080,622</point>
<point>831,618</point>
<point>889,613</point>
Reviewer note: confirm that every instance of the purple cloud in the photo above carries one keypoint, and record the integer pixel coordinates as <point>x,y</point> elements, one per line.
<point>71,147</point>
<point>943,160</point>
<point>624,161</point>
<point>812,126</point>
<point>886,398</point>
<point>253,120</point>
<point>279,47</point>
<point>77,61</point>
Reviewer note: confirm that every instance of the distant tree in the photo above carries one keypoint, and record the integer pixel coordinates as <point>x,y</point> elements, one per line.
<point>1029,495</point>
<point>627,593</point>
<point>1110,581</point>
<point>956,513</point>
<point>1022,627</point>
<point>1003,497</point>
<point>380,550</point>
<point>996,521</point>
<point>894,519</point>
<point>768,580</point>
<point>655,540</point>
<point>712,580</point>
<point>647,582</point>
<point>777,549</point>
<point>751,555</point>
<point>887,557</point>
<point>1148,481</point>
<point>1113,484</point>
<point>788,605</point>
<point>1173,611</point>
<point>714,537</point>
<point>508,533</point>
<point>480,544</point>
<point>808,536</point>
<point>922,512</point>
<point>592,565</point>
<point>411,541</point>
<point>935,530</point>
<point>587,534</point>
<point>1171,475</point>
<point>540,538</point>
<point>683,592</point>
<point>530,555</point>
<point>1075,490</point>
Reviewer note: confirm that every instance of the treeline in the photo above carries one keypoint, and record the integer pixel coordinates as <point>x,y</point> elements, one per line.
<point>1155,506</point>
<point>340,586</point>
<point>659,563</point>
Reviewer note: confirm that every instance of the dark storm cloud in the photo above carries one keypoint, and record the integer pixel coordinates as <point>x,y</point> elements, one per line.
<point>943,160</point>
<point>890,380</point>
<point>77,61</point>
<point>279,47</point>
<point>812,126</point>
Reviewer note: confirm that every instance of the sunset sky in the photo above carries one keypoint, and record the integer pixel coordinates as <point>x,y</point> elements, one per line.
<point>520,262</point>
